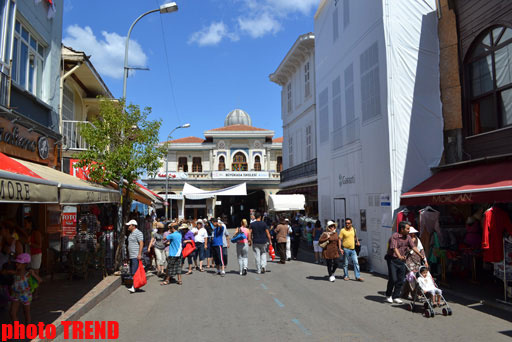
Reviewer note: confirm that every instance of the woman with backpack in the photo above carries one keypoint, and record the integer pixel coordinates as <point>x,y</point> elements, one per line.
<point>242,248</point>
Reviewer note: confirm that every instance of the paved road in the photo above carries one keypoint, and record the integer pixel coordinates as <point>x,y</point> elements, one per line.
<point>290,302</point>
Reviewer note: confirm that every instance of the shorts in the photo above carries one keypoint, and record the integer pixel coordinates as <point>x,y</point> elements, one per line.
<point>218,255</point>
<point>316,247</point>
<point>435,291</point>
<point>173,266</point>
<point>35,261</point>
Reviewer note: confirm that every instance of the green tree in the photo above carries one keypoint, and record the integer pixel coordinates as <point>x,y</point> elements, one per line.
<point>122,144</point>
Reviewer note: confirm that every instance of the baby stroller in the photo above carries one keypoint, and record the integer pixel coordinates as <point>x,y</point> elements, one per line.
<point>419,296</point>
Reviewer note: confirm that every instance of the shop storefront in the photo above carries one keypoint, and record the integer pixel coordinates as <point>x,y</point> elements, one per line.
<point>464,217</point>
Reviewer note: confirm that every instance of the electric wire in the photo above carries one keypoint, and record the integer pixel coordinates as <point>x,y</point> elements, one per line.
<point>168,67</point>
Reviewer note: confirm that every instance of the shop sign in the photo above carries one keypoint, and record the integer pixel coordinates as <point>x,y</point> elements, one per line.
<point>17,191</point>
<point>15,139</point>
<point>68,220</point>
<point>240,175</point>
<point>455,198</point>
<point>174,175</point>
<point>385,200</point>
<point>79,172</point>
<point>343,180</point>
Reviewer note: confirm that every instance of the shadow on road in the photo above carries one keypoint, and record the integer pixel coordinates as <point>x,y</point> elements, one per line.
<point>324,278</point>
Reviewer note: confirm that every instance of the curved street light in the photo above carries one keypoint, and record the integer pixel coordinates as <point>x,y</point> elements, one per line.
<point>169,137</point>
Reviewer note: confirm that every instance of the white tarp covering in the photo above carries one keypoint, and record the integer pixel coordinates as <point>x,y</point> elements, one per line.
<point>286,202</point>
<point>414,98</point>
<point>191,192</point>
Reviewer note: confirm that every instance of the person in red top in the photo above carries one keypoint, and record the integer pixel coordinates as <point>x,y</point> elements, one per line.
<point>400,244</point>
<point>496,222</point>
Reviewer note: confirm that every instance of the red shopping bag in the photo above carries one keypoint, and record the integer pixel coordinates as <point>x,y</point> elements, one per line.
<point>139,278</point>
<point>271,252</point>
<point>189,248</point>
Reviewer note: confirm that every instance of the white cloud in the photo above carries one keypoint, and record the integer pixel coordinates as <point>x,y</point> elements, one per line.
<point>107,53</point>
<point>257,18</point>
<point>259,26</point>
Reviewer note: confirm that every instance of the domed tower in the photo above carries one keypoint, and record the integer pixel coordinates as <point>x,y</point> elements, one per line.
<point>237,117</point>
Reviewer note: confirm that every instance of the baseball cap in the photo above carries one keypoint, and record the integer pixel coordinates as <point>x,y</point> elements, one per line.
<point>131,222</point>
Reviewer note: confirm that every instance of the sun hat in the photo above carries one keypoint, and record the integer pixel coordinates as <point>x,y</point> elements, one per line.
<point>131,222</point>
<point>413,230</point>
<point>331,223</point>
<point>23,258</point>
<point>200,221</point>
<point>183,226</point>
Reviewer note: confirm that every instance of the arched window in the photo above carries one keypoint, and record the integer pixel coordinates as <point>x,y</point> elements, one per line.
<point>182,164</point>
<point>489,67</point>
<point>257,163</point>
<point>197,166</point>
<point>239,162</point>
<point>279,164</point>
<point>222,163</point>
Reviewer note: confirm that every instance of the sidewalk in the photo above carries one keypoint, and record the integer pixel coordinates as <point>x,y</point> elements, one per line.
<point>65,299</point>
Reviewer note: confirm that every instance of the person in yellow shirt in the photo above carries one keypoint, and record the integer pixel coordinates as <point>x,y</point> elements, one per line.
<point>349,241</point>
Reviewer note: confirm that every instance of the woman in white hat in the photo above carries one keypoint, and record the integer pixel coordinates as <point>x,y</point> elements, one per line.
<point>331,252</point>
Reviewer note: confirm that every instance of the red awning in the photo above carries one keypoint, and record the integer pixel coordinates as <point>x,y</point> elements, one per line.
<point>11,165</point>
<point>482,183</point>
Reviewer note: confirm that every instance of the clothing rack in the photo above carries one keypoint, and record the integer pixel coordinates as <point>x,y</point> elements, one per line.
<point>505,280</point>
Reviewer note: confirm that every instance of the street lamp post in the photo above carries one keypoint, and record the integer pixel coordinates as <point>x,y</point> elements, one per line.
<point>165,8</point>
<point>168,204</point>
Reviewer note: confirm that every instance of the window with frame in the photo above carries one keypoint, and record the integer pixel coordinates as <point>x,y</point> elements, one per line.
<point>197,166</point>
<point>335,25</point>
<point>309,142</point>
<point>290,151</point>
<point>370,83</point>
<point>257,163</point>
<point>222,163</point>
<point>336,113</point>
<point>7,14</point>
<point>346,13</point>
<point>27,60</point>
<point>279,164</point>
<point>182,164</point>
<point>289,96</point>
<point>350,110</point>
<point>307,83</point>
<point>323,105</point>
<point>239,162</point>
<point>489,67</point>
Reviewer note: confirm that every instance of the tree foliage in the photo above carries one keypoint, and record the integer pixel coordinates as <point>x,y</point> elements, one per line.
<point>121,144</point>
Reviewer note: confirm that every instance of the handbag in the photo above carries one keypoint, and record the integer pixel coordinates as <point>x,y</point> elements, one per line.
<point>189,248</point>
<point>139,278</point>
<point>324,244</point>
<point>33,283</point>
<point>239,236</point>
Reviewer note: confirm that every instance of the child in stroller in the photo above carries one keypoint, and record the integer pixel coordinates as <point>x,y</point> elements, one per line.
<point>428,286</point>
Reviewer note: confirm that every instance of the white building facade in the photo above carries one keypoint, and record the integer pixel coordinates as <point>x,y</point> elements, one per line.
<point>378,111</point>
<point>230,155</point>
<point>296,76</point>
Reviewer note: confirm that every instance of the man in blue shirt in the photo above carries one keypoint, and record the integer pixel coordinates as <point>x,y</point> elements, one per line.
<point>218,248</point>
<point>174,258</point>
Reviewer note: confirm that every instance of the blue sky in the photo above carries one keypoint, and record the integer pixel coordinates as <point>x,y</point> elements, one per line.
<point>220,53</point>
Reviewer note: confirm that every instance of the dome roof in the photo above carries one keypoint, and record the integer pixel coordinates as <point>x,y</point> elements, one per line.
<point>237,117</point>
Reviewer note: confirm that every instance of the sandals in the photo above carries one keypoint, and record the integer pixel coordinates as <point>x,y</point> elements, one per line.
<point>165,282</point>
<point>201,270</point>
<point>189,272</point>
<point>179,282</point>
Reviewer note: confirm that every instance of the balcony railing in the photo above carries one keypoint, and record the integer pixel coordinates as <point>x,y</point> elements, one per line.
<point>72,137</point>
<point>303,170</point>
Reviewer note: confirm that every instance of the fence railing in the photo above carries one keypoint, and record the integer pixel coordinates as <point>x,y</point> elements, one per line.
<point>305,169</point>
<point>72,137</point>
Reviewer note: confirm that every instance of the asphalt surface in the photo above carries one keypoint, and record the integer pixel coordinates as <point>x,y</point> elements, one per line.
<point>292,302</point>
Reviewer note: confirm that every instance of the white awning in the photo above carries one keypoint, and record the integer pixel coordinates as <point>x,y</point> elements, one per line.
<point>171,196</point>
<point>74,190</point>
<point>191,192</point>
<point>286,202</point>
<point>16,188</point>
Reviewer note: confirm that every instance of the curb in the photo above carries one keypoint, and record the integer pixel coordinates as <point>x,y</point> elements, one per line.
<point>86,303</point>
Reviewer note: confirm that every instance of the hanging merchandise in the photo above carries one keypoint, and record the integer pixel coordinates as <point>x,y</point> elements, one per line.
<point>503,270</point>
<point>496,222</point>
<point>405,215</point>
<point>429,223</point>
